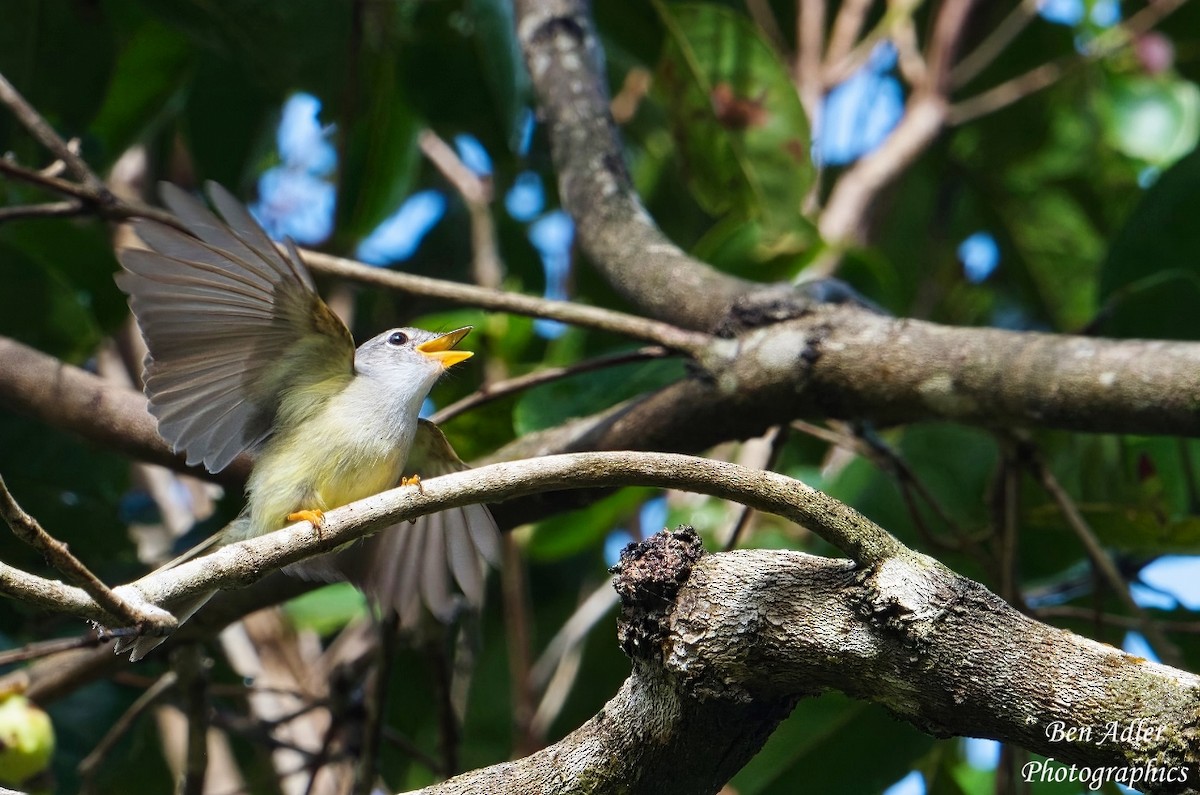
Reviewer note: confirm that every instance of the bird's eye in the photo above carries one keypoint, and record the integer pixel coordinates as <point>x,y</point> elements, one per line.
<point>397,338</point>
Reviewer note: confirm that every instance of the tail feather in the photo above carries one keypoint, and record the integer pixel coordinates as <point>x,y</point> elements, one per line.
<point>437,564</point>
<point>184,608</point>
<point>139,647</point>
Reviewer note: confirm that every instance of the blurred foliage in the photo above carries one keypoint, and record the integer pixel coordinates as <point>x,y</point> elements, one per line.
<point>1093,217</point>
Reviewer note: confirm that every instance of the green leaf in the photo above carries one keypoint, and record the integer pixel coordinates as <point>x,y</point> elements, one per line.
<point>939,768</point>
<point>76,259</point>
<point>228,121</point>
<point>380,144</point>
<point>734,241</point>
<point>1153,119</point>
<point>738,123</point>
<point>1150,282</point>
<point>502,69</point>
<point>58,54</point>
<point>954,464</point>
<point>71,488</point>
<point>150,71</point>
<point>44,310</point>
<point>1127,528</point>
<point>578,396</point>
<point>327,609</point>
<point>571,533</point>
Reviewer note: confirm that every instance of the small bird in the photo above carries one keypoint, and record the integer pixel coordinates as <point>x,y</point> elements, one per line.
<point>244,356</point>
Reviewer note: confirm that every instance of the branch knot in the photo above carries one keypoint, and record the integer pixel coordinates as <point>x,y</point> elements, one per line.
<point>650,575</point>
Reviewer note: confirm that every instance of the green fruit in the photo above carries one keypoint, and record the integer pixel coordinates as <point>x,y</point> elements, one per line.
<point>26,740</point>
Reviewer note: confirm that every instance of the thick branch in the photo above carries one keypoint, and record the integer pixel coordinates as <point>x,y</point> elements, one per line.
<point>649,738</point>
<point>846,363</point>
<point>70,399</point>
<point>562,52</point>
<point>751,632</point>
<point>836,361</point>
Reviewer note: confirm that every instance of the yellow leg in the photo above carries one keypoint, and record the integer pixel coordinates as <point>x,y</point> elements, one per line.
<point>415,480</point>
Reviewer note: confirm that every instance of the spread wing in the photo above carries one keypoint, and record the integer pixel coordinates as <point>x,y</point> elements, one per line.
<point>409,565</point>
<point>231,326</point>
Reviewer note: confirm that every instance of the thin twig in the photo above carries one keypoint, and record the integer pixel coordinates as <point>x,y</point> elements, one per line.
<point>103,205</point>
<point>44,179</point>
<point>489,392</point>
<point>476,193</point>
<point>63,209</point>
<point>26,528</point>
<point>948,30</point>
<point>890,462</point>
<point>1099,556</point>
<point>91,763</point>
<point>994,44</point>
<point>1040,77</point>
<point>193,680</point>
<point>909,60</point>
<point>514,591</point>
<point>693,343</point>
<point>375,698</point>
<point>1189,475</point>
<point>898,466</point>
<point>1009,503</point>
<point>1114,619</point>
<point>845,213</point>
<point>810,40</point>
<point>764,17</point>
<point>34,651</point>
<point>778,437</point>
<point>1010,91</point>
<point>599,602</point>
<point>836,72</point>
<point>846,28</point>
<point>673,337</point>
<point>44,134</point>
<point>411,749</point>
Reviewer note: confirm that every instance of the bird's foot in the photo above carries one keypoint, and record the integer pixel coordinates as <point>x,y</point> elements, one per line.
<point>315,516</point>
<point>415,480</point>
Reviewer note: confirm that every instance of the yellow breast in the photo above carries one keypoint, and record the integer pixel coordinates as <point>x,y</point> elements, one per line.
<point>326,463</point>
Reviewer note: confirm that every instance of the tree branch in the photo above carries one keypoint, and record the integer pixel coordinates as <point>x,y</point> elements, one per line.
<point>70,399</point>
<point>245,562</point>
<point>836,361</point>
<point>476,193</point>
<point>44,134</point>
<point>26,528</point>
<point>615,231</point>
<point>842,219</point>
<point>1047,74</point>
<point>665,334</point>
<point>735,639</point>
<point>847,363</point>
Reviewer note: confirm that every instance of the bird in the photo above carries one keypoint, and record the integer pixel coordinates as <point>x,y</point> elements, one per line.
<point>243,356</point>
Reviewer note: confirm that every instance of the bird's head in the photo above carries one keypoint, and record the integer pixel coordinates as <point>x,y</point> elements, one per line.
<point>410,358</point>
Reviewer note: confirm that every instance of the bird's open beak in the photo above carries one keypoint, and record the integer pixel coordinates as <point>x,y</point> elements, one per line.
<point>441,348</point>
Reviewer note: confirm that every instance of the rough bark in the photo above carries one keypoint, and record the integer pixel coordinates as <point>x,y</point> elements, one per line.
<point>740,637</point>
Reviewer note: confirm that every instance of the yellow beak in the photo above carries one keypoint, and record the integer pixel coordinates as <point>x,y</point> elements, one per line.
<point>441,348</point>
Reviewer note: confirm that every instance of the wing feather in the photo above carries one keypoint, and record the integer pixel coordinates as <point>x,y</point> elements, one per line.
<point>231,325</point>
